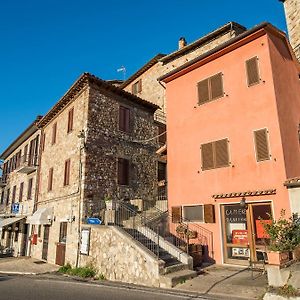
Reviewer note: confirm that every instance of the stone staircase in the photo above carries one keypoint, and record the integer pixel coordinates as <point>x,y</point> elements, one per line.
<point>177,265</point>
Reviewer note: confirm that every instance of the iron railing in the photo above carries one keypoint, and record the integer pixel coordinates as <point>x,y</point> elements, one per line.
<point>149,229</point>
<point>28,160</point>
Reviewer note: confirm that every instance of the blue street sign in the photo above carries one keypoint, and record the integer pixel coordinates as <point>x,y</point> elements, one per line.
<point>93,221</point>
<point>15,207</point>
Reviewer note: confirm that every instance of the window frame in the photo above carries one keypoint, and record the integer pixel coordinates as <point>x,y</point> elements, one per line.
<point>267,143</point>
<point>125,126</point>
<point>54,133</point>
<point>67,172</point>
<point>137,87</point>
<point>186,220</point>
<point>258,71</point>
<point>50,179</point>
<point>70,125</point>
<point>120,176</point>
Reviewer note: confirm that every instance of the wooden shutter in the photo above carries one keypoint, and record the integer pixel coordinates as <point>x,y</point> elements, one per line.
<point>176,214</point>
<point>261,145</point>
<point>21,192</point>
<point>29,191</point>
<point>139,83</point>
<point>221,153</point>
<point>43,141</point>
<point>203,91</point>
<point>13,198</point>
<point>162,133</point>
<point>67,172</point>
<point>209,213</point>
<point>124,119</point>
<point>54,129</point>
<point>123,171</point>
<point>70,119</point>
<point>252,71</point>
<point>50,179</point>
<point>216,86</point>
<point>127,120</point>
<point>207,156</point>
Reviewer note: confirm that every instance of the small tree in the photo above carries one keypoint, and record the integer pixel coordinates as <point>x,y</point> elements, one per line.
<point>284,233</point>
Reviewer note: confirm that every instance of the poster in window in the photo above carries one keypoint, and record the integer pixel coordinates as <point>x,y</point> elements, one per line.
<point>85,241</point>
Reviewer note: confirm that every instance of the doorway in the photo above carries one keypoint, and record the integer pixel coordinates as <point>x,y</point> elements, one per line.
<point>243,232</point>
<point>45,242</point>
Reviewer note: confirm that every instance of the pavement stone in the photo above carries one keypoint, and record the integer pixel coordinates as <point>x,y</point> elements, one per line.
<point>25,266</point>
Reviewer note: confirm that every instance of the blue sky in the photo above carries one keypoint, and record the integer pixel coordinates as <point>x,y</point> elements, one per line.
<point>46,45</point>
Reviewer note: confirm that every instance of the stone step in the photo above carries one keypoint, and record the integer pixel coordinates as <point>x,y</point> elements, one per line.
<point>172,279</point>
<point>175,268</point>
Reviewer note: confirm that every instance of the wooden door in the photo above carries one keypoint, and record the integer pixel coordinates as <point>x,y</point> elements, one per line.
<point>60,254</point>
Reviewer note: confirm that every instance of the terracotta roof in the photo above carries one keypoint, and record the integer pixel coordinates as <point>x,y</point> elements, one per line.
<point>143,69</point>
<point>245,194</point>
<point>292,182</point>
<point>83,81</point>
<point>32,128</point>
<point>192,64</point>
<point>203,40</point>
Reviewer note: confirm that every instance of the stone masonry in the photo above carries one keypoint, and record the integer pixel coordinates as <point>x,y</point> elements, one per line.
<point>292,14</point>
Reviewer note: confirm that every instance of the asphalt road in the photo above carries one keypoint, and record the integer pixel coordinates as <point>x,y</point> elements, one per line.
<point>35,288</point>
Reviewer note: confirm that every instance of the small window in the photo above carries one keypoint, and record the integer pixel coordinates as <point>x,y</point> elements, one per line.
<point>54,130</point>
<point>29,191</point>
<point>193,213</point>
<point>21,192</point>
<point>162,171</point>
<point>215,154</point>
<point>43,141</point>
<point>67,172</point>
<point>50,179</point>
<point>13,197</point>
<point>7,196</point>
<point>137,87</point>
<point>39,231</point>
<point>261,144</point>
<point>124,119</point>
<point>2,197</point>
<point>63,232</point>
<point>70,119</point>
<point>123,171</point>
<point>210,88</point>
<point>252,71</point>
<point>162,134</point>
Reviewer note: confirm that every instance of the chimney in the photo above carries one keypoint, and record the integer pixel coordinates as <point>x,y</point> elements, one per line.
<point>181,43</point>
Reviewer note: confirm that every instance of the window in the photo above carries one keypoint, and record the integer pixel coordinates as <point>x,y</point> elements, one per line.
<point>210,89</point>
<point>43,141</point>
<point>50,179</point>
<point>29,191</point>
<point>162,133</point>
<point>215,154</point>
<point>252,71</point>
<point>54,130</point>
<point>193,213</point>
<point>123,171</point>
<point>124,119</point>
<point>7,196</point>
<point>261,144</point>
<point>162,171</point>
<point>13,198</point>
<point>21,191</point>
<point>63,232</point>
<point>2,197</point>
<point>70,119</point>
<point>39,231</point>
<point>137,87</point>
<point>17,229</point>
<point>67,172</point>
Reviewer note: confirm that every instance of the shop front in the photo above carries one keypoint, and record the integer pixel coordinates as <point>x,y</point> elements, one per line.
<point>243,233</point>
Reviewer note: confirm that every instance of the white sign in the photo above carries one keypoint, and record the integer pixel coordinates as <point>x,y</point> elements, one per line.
<point>85,241</point>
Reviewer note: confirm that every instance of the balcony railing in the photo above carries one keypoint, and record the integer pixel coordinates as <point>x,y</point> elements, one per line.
<point>160,116</point>
<point>28,164</point>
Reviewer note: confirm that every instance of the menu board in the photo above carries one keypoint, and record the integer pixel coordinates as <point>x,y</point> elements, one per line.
<point>85,241</point>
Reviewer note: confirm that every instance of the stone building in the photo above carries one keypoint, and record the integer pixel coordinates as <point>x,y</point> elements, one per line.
<point>18,189</point>
<point>292,14</point>
<point>97,143</point>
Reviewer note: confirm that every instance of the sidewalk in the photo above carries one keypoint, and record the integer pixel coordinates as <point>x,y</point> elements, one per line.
<point>227,281</point>
<point>25,265</point>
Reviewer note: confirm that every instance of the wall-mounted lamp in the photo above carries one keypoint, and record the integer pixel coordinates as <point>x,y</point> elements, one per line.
<point>243,203</point>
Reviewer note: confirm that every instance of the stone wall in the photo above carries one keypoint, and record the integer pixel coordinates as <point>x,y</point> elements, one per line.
<point>105,143</point>
<point>152,90</point>
<point>118,257</point>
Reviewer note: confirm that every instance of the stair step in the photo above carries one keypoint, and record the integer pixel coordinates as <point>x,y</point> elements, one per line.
<point>175,268</point>
<point>172,279</point>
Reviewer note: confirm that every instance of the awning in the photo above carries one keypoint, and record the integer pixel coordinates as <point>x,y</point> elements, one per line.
<point>8,221</point>
<point>42,216</point>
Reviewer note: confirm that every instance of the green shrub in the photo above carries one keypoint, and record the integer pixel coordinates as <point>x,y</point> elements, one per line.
<point>65,269</point>
<point>85,272</point>
<point>287,291</point>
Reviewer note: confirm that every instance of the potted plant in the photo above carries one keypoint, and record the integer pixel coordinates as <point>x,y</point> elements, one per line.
<point>284,238</point>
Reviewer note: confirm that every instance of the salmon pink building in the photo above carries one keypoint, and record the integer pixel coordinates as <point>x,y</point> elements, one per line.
<point>233,140</point>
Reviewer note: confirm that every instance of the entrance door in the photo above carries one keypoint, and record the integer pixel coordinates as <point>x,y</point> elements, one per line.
<point>25,240</point>
<point>243,234</point>
<point>45,242</point>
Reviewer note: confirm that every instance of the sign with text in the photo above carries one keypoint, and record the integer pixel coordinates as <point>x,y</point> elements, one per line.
<point>85,241</point>
<point>235,214</point>
<point>240,237</point>
<point>260,229</point>
<point>15,207</point>
<point>94,221</point>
